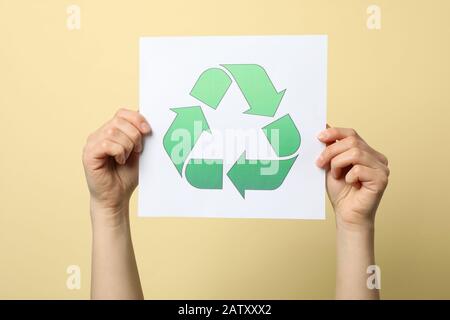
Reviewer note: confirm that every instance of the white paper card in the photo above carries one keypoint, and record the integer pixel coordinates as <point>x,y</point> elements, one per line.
<point>235,121</point>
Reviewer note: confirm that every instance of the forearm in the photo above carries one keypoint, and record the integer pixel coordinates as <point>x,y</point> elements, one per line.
<point>355,252</point>
<point>114,270</point>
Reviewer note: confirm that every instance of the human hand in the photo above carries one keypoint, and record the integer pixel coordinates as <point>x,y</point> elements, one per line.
<point>111,158</point>
<point>356,177</point>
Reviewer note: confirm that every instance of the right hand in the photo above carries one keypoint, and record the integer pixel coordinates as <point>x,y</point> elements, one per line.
<point>357,176</point>
<point>111,158</point>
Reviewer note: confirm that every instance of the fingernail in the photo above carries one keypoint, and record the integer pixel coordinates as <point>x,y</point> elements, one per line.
<point>319,161</point>
<point>139,148</point>
<point>145,127</point>
<point>322,135</point>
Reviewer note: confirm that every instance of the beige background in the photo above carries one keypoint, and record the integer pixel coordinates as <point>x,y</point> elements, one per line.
<point>58,85</point>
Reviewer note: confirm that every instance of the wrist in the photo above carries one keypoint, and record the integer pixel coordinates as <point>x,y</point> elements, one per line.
<point>355,235</point>
<point>364,226</point>
<point>109,217</point>
<point>356,239</point>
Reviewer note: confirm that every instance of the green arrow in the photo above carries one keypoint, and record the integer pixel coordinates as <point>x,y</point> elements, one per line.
<point>257,88</point>
<point>205,173</point>
<point>283,135</point>
<point>259,174</point>
<point>211,87</point>
<point>183,133</point>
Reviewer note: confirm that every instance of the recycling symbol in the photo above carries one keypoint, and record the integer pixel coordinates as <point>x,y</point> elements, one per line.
<point>263,100</point>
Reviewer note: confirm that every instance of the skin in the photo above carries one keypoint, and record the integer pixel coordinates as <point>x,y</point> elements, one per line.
<point>111,162</point>
<point>356,177</point>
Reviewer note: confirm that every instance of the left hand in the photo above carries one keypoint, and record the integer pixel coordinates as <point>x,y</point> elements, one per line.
<point>356,177</point>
